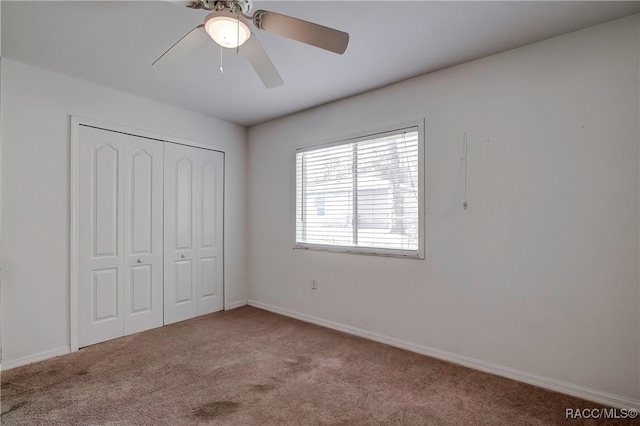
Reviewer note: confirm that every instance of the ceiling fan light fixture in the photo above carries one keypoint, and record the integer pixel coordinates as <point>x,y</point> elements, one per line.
<point>227,29</point>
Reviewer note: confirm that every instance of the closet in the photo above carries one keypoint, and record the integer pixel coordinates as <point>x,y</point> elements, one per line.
<point>149,233</point>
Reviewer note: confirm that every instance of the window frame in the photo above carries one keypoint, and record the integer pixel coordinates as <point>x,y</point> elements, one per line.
<point>418,125</point>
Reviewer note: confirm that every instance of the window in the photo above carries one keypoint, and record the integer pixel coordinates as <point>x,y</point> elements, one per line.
<point>362,195</point>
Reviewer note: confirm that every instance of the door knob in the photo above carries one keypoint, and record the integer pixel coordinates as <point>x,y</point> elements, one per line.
<point>182,256</point>
<point>139,261</point>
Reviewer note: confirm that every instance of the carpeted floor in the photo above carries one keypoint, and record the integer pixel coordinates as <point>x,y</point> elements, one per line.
<point>252,367</point>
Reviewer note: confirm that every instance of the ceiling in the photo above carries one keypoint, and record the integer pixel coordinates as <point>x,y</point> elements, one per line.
<point>113,43</point>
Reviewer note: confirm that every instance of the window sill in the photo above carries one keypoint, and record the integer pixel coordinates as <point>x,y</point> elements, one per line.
<point>369,251</point>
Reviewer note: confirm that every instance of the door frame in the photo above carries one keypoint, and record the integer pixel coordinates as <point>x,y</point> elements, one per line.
<point>76,122</point>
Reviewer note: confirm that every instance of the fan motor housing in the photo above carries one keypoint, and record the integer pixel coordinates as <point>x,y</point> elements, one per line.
<point>235,6</point>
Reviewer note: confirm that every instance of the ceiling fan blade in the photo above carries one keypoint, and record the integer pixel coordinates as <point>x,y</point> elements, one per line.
<point>183,3</point>
<point>260,62</point>
<point>303,31</point>
<point>181,48</point>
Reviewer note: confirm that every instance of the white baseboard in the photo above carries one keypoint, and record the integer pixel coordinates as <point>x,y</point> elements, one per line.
<point>62,350</point>
<point>234,305</point>
<point>589,394</point>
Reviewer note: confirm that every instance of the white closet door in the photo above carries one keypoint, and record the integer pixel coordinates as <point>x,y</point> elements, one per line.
<point>119,235</point>
<point>100,236</point>
<point>209,213</point>
<point>143,228</point>
<point>193,197</point>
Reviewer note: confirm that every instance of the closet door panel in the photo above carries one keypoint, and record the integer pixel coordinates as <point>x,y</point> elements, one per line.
<point>184,281</point>
<point>141,290</point>
<point>105,195</point>
<point>182,202</point>
<point>193,232</point>
<point>100,236</point>
<point>209,277</point>
<point>179,232</point>
<point>143,278</point>
<point>141,200</point>
<point>209,232</point>
<point>104,289</point>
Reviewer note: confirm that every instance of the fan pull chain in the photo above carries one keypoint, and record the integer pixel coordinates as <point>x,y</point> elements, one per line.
<point>221,68</point>
<point>464,148</point>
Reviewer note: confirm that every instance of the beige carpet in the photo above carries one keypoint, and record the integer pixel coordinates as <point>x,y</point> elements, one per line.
<point>251,367</point>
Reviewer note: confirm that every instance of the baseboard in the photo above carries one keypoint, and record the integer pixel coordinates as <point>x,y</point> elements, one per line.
<point>62,350</point>
<point>234,305</point>
<point>589,394</point>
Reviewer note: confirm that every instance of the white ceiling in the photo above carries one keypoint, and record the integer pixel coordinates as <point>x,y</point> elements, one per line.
<point>114,43</point>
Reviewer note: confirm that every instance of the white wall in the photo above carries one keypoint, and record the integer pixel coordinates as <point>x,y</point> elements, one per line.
<point>36,106</point>
<point>539,278</point>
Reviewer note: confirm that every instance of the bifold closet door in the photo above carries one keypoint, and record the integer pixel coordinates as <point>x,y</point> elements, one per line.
<point>143,239</point>
<point>193,200</point>
<point>119,235</point>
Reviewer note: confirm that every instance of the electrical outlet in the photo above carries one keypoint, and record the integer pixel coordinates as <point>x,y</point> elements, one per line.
<point>314,284</point>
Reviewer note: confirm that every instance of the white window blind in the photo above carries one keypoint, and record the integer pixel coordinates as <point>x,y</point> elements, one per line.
<point>361,195</point>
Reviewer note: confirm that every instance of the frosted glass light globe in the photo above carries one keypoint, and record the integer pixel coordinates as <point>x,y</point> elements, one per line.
<point>226,29</point>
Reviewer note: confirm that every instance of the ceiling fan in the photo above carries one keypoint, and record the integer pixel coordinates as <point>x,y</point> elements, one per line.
<point>227,25</point>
